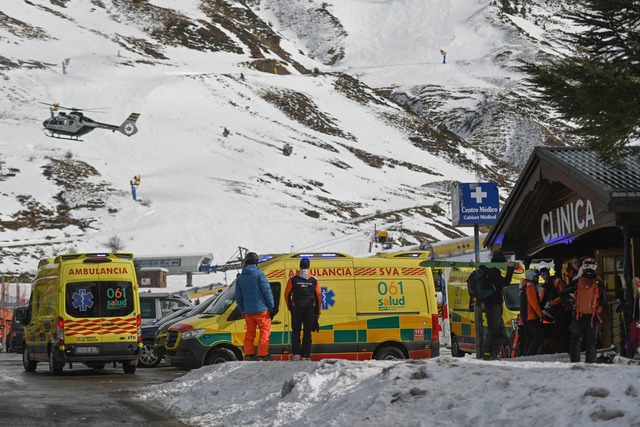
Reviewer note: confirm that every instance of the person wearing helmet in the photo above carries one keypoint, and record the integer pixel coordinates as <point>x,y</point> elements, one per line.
<point>589,295</point>
<point>534,312</point>
<point>303,298</point>
<point>256,304</point>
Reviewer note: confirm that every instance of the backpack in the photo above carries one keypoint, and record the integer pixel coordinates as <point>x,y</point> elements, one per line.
<point>587,298</point>
<point>479,284</point>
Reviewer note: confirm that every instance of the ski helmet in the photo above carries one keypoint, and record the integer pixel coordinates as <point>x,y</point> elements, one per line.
<point>251,258</point>
<point>589,266</point>
<point>532,275</point>
<point>304,263</point>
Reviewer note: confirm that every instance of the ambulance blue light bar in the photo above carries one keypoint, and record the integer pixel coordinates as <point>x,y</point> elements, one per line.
<point>410,255</point>
<point>321,255</point>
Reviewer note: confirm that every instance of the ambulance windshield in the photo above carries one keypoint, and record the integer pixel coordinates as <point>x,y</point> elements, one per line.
<point>224,301</point>
<point>99,299</point>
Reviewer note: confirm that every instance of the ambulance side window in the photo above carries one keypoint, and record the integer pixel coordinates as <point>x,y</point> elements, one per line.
<point>275,290</point>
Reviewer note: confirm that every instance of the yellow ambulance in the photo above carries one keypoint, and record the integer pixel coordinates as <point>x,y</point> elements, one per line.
<point>462,321</point>
<point>84,308</point>
<point>382,307</point>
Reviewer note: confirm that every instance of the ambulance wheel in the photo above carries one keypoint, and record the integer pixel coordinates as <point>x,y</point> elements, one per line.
<point>149,358</point>
<point>220,355</point>
<point>129,367</point>
<point>389,353</point>
<point>455,347</point>
<point>29,365</point>
<point>54,368</point>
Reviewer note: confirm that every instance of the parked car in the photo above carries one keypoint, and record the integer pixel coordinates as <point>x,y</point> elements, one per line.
<point>15,336</point>
<point>155,305</point>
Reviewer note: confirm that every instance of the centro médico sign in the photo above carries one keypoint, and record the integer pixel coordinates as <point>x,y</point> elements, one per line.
<point>565,220</point>
<point>474,203</point>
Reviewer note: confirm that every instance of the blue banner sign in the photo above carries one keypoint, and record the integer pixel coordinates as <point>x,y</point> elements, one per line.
<point>475,203</point>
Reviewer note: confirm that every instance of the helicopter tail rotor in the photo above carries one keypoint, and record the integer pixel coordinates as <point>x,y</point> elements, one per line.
<point>128,127</point>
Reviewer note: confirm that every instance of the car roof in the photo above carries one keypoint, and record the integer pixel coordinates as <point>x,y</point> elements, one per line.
<point>161,295</point>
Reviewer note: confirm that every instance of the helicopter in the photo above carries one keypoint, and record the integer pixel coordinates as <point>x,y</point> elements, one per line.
<point>73,124</point>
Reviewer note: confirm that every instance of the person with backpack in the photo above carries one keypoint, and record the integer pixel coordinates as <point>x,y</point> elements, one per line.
<point>303,298</point>
<point>488,284</point>
<point>589,295</point>
<point>533,312</point>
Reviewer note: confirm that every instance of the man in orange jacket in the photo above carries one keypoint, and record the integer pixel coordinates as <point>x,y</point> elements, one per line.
<point>303,298</point>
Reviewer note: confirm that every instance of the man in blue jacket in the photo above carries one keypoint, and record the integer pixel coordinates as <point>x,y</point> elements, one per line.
<point>255,301</point>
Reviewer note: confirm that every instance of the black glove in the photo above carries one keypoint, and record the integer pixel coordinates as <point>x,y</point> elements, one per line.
<point>273,312</point>
<point>316,325</point>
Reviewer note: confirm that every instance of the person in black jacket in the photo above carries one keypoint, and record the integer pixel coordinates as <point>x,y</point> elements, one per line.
<point>496,333</point>
<point>303,298</point>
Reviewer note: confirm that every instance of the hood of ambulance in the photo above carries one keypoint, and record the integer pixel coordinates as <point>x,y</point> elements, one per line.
<point>209,322</point>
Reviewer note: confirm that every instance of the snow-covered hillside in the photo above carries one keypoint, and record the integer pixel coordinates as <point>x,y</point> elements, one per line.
<point>264,123</point>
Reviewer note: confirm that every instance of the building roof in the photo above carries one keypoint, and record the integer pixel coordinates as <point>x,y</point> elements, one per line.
<point>175,263</point>
<point>617,181</point>
<point>556,177</point>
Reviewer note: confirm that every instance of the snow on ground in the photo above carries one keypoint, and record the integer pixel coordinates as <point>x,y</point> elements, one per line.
<point>445,391</point>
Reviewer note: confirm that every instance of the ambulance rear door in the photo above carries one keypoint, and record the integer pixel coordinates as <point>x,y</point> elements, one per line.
<point>101,315</point>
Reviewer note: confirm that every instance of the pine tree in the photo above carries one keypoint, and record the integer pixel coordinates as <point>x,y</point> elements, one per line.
<point>598,88</point>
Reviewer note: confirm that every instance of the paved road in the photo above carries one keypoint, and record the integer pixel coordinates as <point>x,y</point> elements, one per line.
<point>81,395</point>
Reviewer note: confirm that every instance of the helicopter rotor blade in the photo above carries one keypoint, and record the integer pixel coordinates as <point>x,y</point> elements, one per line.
<point>56,106</point>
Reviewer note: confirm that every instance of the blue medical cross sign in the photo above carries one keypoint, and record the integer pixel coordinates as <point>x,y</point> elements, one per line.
<point>82,300</point>
<point>327,297</point>
<point>475,203</point>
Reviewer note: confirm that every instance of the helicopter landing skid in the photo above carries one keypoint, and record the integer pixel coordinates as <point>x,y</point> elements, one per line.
<point>58,136</point>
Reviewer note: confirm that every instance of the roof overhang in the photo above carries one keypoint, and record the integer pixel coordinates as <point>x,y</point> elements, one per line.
<point>557,210</point>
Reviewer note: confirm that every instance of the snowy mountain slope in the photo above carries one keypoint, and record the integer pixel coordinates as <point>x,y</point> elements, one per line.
<point>217,124</point>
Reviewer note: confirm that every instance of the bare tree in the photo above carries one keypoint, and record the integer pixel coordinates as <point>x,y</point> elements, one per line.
<point>115,244</point>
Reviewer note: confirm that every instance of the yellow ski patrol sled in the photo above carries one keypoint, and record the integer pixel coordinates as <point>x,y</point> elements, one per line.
<point>382,307</point>
<point>84,308</point>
